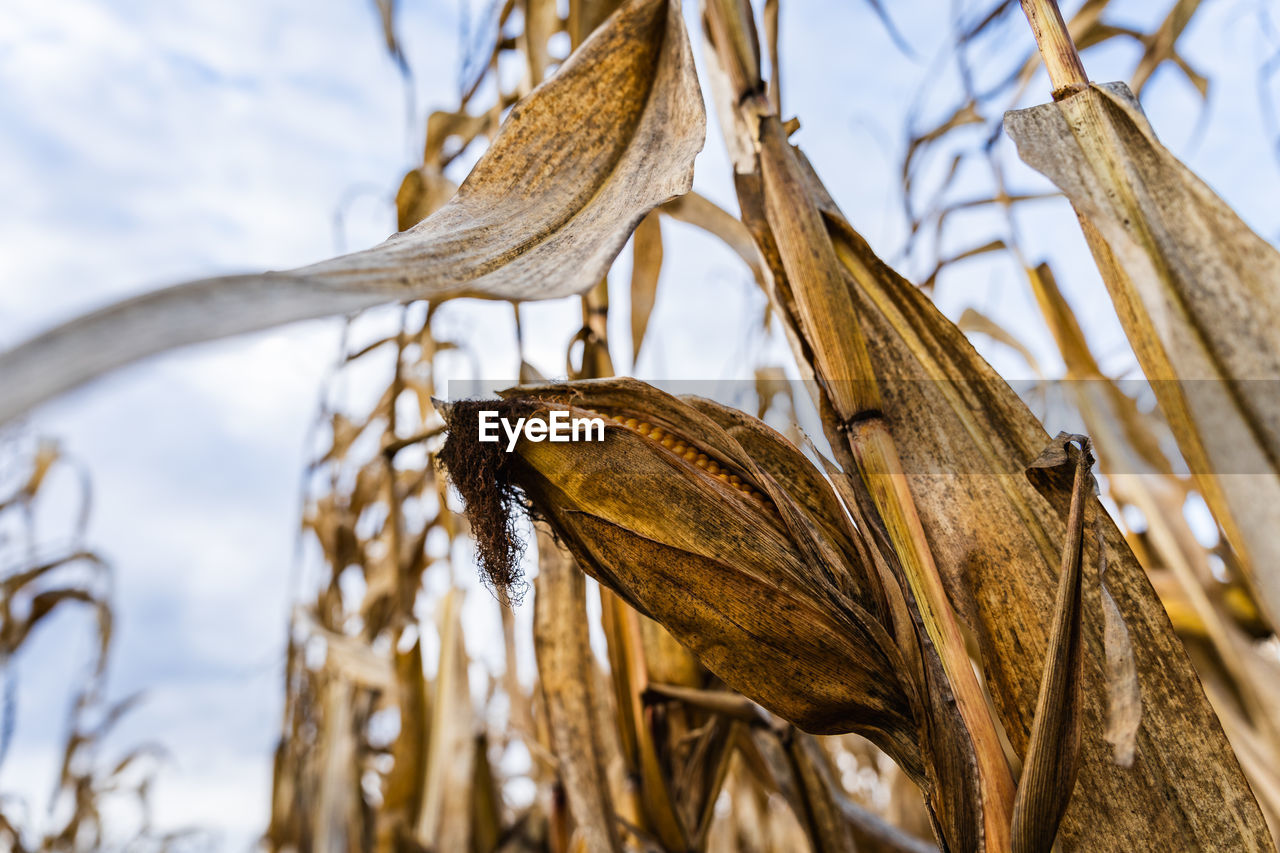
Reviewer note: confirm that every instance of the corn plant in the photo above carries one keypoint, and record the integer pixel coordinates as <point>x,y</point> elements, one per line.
<point>731,622</point>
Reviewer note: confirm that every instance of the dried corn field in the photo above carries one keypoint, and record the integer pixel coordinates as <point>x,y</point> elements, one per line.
<point>947,527</point>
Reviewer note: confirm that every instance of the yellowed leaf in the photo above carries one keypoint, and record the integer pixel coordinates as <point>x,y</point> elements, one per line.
<point>1196,291</point>
<point>646,266</point>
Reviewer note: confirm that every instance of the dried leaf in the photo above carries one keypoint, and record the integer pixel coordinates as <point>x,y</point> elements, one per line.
<point>1195,291</point>
<point>422,192</point>
<point>338,818</point>
<point>444,820</point>
<point>973,320</point>
<point>564,660</point>
<point>443,125</point>
<point>402,796</point>
<point>387,15</point>
<point>1101,402</point>
<point>646,265</point>
<point>1161,47</point>
<point>771,39</point>
<point>650,797</point>
<point>47,453</point>
<point>1052,761</point>
<point>574,169</point>
<point>487,804</point>
<point>959,427</point>
<point>964,255</point>
<point>822,796</point>
<point>541,20</point>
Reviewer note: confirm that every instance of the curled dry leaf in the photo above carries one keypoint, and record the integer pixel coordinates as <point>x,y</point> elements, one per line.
<point>573,170</point>
<point>646,266</point>
<point>1053,755</point>
<point>1195,289</point>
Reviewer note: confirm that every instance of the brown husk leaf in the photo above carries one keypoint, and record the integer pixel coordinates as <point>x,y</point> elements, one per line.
<point>771,599</point>
<point>1049,771</point>
<point>961,432</point>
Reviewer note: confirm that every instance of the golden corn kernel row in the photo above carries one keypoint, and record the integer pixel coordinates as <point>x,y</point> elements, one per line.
<point>677,446</point>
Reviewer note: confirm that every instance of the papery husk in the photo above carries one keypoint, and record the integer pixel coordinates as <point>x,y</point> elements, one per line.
<point>964,436</point>
<point>766,597</point>
<point>574,169</point>
<point>723,574</point>
<point>1197,293</point>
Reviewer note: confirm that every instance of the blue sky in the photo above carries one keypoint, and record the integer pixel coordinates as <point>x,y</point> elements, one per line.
<point>149,141</point>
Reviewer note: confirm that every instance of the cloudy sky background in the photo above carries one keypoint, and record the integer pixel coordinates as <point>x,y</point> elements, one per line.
<point>149,141</point>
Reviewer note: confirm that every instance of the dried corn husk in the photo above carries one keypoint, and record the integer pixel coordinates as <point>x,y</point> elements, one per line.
<point>963,438</point>
<point>1049,773</point>
<point>743,552</point>
<point>775,603</point>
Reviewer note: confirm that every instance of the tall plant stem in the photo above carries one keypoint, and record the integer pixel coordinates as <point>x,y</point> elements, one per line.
<point>822,311</point>
<point>1057,48</point>
<point>881,470</point>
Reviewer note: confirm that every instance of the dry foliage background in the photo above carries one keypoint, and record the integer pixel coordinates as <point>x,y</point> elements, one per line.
<point>940,639</point>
